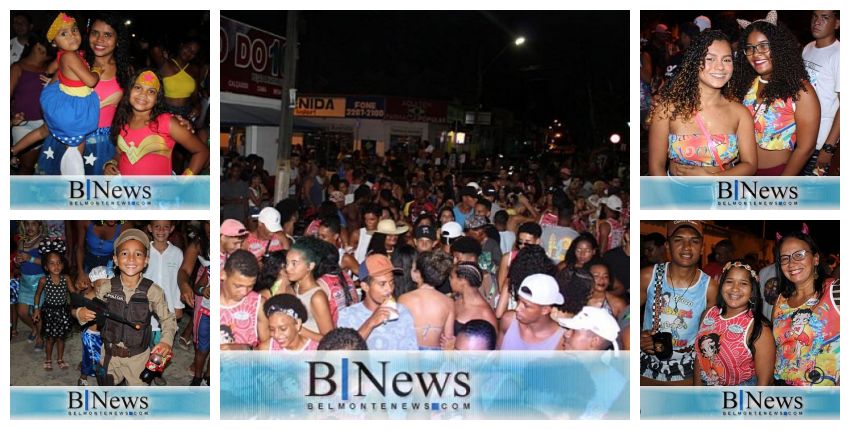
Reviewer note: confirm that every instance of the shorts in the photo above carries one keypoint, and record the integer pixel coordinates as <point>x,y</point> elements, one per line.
<point>92,345</point>
<point>203,344</point>
<point>14,286</point>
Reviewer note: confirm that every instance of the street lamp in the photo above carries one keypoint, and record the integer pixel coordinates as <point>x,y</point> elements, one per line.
<point>519,41</point>
<point>615,138</point>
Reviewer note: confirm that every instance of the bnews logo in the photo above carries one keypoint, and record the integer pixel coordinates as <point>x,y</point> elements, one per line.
<point>748,400</point>
<point>95,401</point>
<point>357,379</point>
<point>95,189</point>
<point>751,190</point>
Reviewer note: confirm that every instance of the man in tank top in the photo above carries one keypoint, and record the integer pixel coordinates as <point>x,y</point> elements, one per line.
<point>530,327</point>
<point>685,292</point>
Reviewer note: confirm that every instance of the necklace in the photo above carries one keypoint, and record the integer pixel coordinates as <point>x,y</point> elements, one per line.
<point>763,81</point>
<point>681,296</point>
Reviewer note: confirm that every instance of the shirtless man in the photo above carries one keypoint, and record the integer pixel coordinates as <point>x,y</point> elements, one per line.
<point>433,312</point>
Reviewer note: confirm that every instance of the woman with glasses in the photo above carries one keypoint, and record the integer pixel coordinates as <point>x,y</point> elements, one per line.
<point>805,317</point>
<point>696,126</point>
<point>771,81</point>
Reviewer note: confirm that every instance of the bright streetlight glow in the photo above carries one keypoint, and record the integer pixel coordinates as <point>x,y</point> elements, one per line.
<point>128,23</point>
<point>519,41</point>
<point>615,138</point>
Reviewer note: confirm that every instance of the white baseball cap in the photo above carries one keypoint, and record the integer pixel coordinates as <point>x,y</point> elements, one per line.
<point>613,202</point>
<point>702,22</point>
<point>270,218</point>
<point>597,320</point>
<point>451,230</point>
<point>541,289</point>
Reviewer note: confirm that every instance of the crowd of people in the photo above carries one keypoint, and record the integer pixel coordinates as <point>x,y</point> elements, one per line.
<point>407,252</point>
<point>81,104</point>
<point>741,98</point>
<point>732,324</point>
<point>127,288</point>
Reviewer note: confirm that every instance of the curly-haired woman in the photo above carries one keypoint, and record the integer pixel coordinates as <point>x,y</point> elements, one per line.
<point>697,127</point>
<point>771,81</point>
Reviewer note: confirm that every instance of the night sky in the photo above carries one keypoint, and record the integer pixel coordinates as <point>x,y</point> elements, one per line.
<point>825,233</point>
<point>566,62</point>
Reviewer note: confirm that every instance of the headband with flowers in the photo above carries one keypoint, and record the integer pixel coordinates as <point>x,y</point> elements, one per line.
<point>62,20</point>
<point>740,265</point>
<point>286,311</point>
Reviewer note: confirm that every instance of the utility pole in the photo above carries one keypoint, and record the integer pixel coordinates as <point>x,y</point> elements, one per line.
<point>284,149</point>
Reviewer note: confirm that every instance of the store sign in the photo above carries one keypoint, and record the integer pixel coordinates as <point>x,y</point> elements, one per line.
<point>404,109</point>
<point>318,106</point>
<point>251,60</point>
<point>364,107</point>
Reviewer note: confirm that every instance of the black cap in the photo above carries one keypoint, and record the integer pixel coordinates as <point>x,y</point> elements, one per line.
<point>425,231</point>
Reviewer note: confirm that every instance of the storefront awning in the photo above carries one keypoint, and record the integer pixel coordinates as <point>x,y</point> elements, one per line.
<point>241,109</point>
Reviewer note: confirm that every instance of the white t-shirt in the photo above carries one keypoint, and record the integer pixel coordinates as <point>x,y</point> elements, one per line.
<point>823,65</point>
<point>162,270</point>
<point>17,50</point>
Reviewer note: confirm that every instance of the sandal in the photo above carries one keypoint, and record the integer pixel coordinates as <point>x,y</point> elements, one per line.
<point>62,364</point>
<point>185,343</point>
<point>14,333</point>
<point>48,365</point>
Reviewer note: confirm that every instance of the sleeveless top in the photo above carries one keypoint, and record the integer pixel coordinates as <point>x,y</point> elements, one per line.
<point>31,269</point>
<point>807,340</point>
<point>775,126</point>
<point>362,245</point>
<point>26,95</point>
<point>146,150</point>
<point>241,321</point>
<point>56,294</point>
<point>180,85</point>
<point>109,93</point>
<point>258,246</point>
<point>727,361</point>
<point>615,235</point>
<point>306,298</point>
<point>100,247</point>
<point>695,150</point>
<point>335,290</point>
<point>513,341</point>
<point>311,345</point>
<point>71,83</point>
<point>681,309</point>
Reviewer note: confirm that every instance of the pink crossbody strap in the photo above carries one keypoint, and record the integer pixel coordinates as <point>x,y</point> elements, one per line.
<point>712,146</point>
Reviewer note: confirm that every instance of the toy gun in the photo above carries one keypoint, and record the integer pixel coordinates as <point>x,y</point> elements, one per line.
<point>98,306</point>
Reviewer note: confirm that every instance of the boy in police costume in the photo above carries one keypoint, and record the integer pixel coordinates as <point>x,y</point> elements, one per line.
<point>135,298</point>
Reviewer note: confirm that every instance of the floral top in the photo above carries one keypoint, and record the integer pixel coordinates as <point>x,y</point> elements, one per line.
<point>775,125</point>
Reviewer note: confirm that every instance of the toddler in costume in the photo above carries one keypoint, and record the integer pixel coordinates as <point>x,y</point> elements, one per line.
<point>71,108</point>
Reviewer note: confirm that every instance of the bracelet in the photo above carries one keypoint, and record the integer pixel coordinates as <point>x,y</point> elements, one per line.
<point>110,163</point>
<point>200,290</point>
<point>829,149</point>
<point>188,172</point>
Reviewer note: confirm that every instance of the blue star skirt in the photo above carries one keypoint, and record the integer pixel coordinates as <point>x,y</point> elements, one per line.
<point>98,150</point>
<point>70,117</point>
<point>92,344</point>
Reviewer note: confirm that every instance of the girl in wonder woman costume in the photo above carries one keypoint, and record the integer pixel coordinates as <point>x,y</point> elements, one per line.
<point>145,133</point>
<point>70,107</point>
